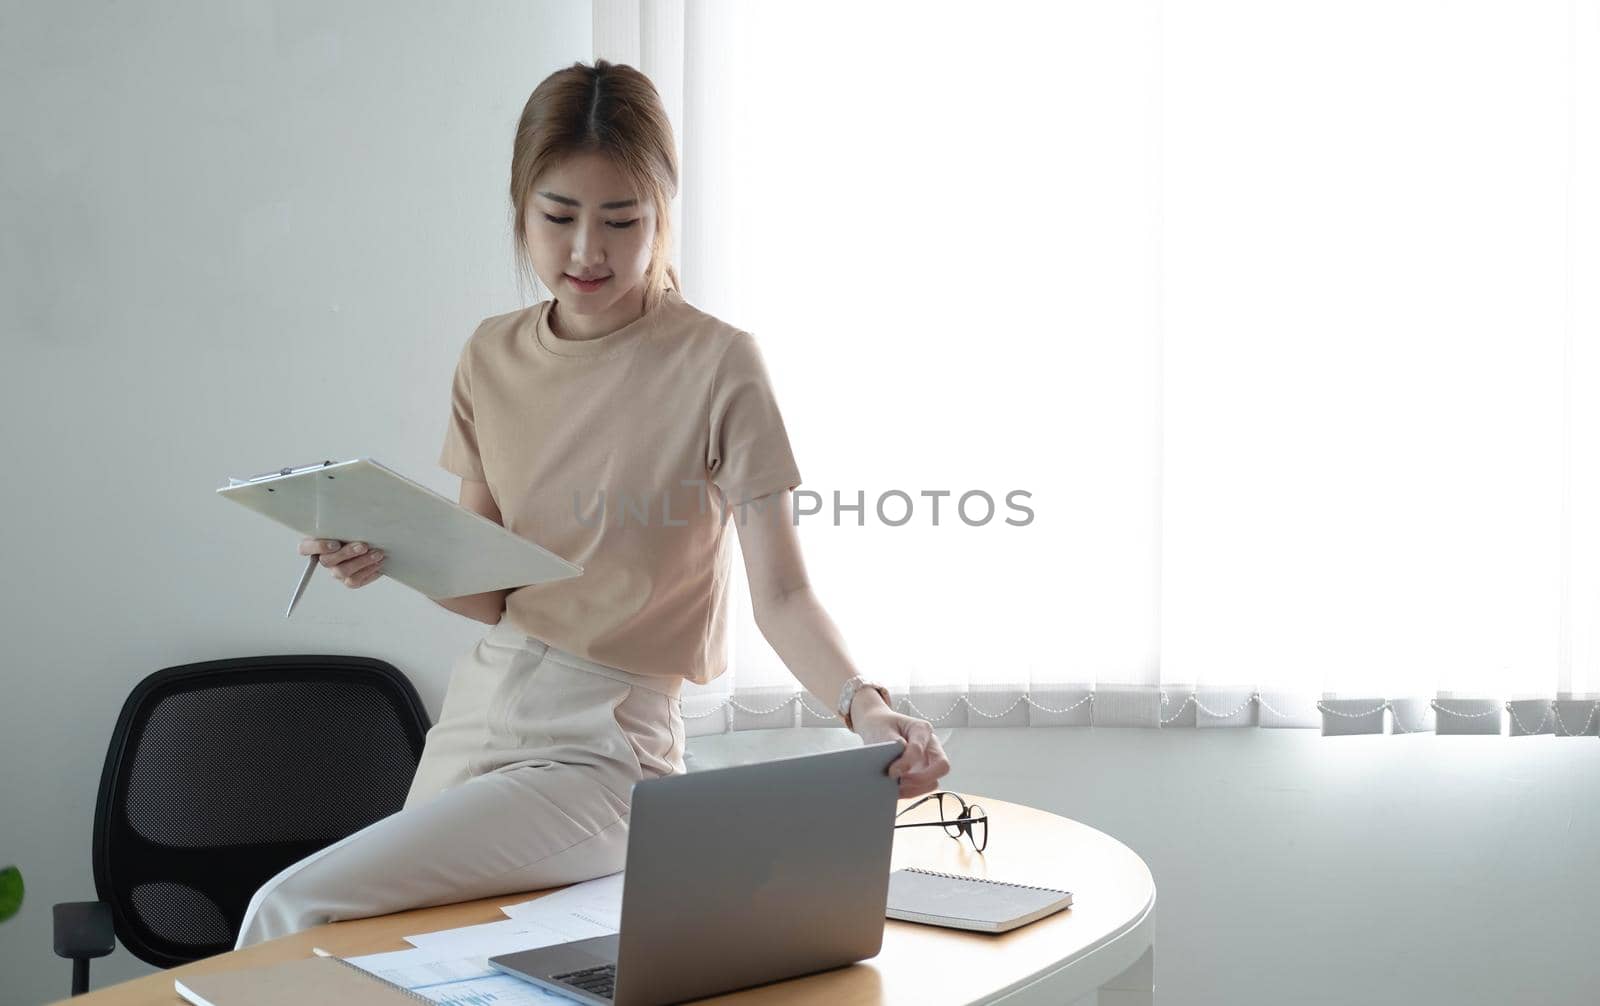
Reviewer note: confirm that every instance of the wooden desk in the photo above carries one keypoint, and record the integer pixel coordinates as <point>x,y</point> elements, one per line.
<point>1101,943</point>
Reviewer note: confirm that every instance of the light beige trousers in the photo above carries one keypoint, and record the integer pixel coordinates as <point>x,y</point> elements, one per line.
<point>524,784</point>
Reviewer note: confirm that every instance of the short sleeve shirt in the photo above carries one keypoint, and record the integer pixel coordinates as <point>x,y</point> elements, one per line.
<point>628,455</point>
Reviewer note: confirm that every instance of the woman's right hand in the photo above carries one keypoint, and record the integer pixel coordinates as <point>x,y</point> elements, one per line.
<point>351,563</point>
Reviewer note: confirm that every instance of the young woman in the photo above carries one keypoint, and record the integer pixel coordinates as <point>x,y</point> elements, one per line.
<point>624,429</point>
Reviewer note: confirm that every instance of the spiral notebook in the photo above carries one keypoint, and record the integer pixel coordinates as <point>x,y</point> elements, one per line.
<point>960,902</point>
<point>304,980</point>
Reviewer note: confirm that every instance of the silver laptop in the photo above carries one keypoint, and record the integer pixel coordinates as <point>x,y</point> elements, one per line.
<point>738,877</point>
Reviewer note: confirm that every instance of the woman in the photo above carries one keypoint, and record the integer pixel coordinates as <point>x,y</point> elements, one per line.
<point>624,429</point>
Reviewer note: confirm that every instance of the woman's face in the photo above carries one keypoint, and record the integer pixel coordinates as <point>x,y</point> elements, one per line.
<point>584,221</point>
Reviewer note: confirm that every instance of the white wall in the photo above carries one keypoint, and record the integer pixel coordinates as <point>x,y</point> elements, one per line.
<point>236,236</point>
<point>233,236</point>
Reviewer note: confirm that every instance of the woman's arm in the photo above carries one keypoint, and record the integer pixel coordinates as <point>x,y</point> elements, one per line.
<point>800,631</point>
<point>487,606</point>
<point>786,610</point>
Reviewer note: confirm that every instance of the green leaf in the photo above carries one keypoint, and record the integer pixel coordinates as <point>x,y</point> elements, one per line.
<point>10,892</point>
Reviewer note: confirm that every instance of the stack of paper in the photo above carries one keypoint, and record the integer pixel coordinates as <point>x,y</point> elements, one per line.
<point>452,966</point>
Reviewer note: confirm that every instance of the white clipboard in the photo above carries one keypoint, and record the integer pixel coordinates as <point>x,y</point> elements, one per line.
<point>431,543</point>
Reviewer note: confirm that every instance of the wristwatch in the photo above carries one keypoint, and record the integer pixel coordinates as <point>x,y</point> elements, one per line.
<point>847,695</point>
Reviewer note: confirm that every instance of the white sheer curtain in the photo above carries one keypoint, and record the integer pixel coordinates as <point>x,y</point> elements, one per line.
<point>1279,321</point>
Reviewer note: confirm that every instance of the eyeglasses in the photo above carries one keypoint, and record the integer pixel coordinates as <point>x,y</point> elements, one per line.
<point>956,816</point>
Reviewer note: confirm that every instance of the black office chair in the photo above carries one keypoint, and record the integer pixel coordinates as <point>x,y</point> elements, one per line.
<point>219,775</point>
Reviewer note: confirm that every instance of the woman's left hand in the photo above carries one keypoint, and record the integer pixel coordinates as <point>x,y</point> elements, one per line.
<point>922,764</point>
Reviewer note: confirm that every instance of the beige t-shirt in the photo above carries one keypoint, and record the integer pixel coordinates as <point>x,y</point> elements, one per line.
<point>627,455</point>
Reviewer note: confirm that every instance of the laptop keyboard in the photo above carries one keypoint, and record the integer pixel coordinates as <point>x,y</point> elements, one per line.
<point>600,981</point>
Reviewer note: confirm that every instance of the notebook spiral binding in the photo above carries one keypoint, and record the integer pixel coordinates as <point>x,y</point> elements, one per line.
<point>357,968</point>
<point>983,880</point>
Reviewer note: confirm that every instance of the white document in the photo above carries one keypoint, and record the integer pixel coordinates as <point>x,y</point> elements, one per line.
<point>578,912</point>
<point>598,901</point>
<point>457,981</point>
<point>524,933</point>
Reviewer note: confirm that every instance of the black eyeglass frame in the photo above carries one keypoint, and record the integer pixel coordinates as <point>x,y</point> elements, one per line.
<point>969,815</point>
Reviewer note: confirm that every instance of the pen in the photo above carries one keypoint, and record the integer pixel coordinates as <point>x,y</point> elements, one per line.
<point>300,588</point>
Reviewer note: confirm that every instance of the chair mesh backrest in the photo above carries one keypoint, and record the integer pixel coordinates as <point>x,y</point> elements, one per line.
<point>221,774</point>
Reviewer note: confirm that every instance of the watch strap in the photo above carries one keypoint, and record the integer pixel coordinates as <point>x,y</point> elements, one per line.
<point>847,695</point>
